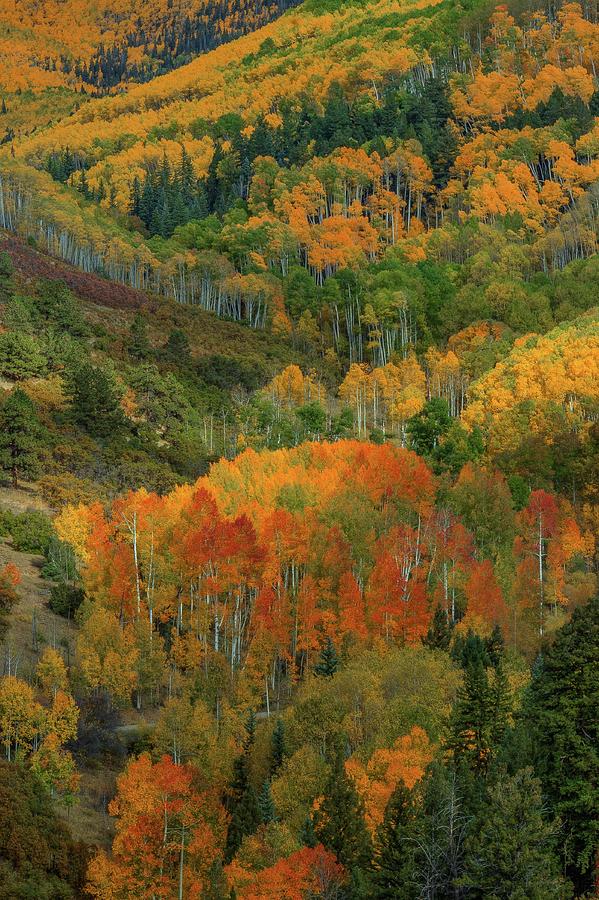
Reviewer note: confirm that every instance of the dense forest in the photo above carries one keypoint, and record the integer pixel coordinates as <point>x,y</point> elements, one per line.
<point>97,47</point>
<point>299,450</point>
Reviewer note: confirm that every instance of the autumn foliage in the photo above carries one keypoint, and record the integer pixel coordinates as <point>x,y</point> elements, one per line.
<point>271,552</point>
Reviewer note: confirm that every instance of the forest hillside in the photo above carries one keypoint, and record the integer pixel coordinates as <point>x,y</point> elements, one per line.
<point>299,450</point>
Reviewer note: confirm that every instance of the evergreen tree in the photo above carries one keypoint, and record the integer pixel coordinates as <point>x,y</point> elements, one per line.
<point>242,803</point>
<point>394,859</point>
<point>185,175</point>
<point>83,186</point>
<point>58,306</point>
<point>495,644</point>
<point>266,805</point>
<point>501,705</point>
<point>560,711</point>
<point>479,718</point>
<point>177,349</point>
<point>147,200</point>
<point>135,200</point>
<point>328,661</point>
<point>339,823</point>
<point>138,345</point>
<point>307,834</point>
<point>6,273</point>
<point>438,636</point>
<point>278,750</point>
<point>19,437</point>
<point>511,851</point>
<point>21,356</point>
<point>470,650</point>
<point>38,856</point>
<point>95,405</point>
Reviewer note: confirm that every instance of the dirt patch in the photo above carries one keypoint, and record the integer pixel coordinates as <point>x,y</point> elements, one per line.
<point>33,627</point>
<point>23,500</point>
<point>88,819</point>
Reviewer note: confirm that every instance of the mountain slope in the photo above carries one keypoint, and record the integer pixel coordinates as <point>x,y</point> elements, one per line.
<point>423,117</point>
<point>105,44</point>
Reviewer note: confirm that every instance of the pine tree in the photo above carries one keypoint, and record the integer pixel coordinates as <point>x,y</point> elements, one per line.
<point>470,650</point>
<point>242,804</point>
<point>511,851</point>
<point>138,345</point>
<point>6,273</point>
<point>395,849</point>
<point>438,636</point>
<point>135,199</point>
<point>147,200</point>
<point>278,750</point>
<point>83,186</point>
<point>177,349</point>
<point>479,718</point>
<point>339,822</point>
<point>185,175</point>
<point>560,711</point>
<point>328,661</point>
<point>307,834</point>
<point>495,645</point>
<point>266,805</point>
<point>501,704</point>
<point>94,402</point>
<point>19,437</point>
<point>59,307</point>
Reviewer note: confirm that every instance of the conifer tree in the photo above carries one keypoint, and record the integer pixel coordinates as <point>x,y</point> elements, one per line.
<point>94,402</point>
<point>511,850</point>
<point>328,661</point>
<point>278,750</point>
<point>177,349</point>
<point>339,822</point>
<point>242,803</point>
<point>438,636</point>
<point>501,705</point>
<point>58,306</point>
<point>266,805</point>
<point>495,645</point>
<point>83,186</point>
<point>479,718</point>
<point>6,273</point>
<point>394,859</point>
<point>470,650</point>
<point>19,437</point>
<point>308,834</point>
<point>560,710</point>
<point>138,344</point>
<point>135,200</point>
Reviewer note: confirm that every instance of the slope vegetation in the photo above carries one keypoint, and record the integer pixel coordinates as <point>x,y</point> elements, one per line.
<point>326,141</point>
<point>105,44</point>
